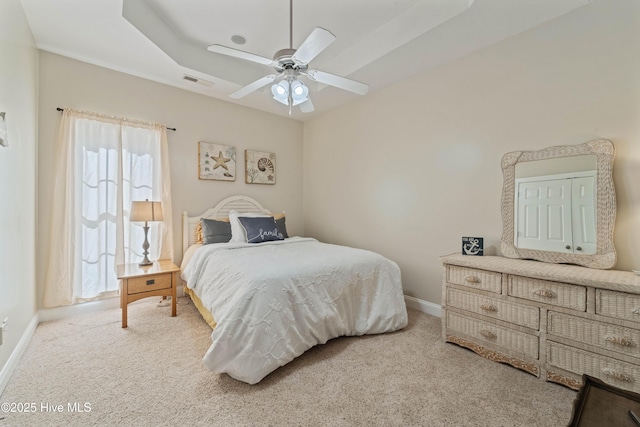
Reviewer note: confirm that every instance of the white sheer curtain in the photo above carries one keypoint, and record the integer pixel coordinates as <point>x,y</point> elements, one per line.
<point>102,165</point>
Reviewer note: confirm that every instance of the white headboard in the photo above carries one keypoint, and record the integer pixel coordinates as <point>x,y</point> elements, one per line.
<point>221,210</point>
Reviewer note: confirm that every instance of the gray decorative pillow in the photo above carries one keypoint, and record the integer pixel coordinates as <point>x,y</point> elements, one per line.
<point>214,231</point>
<point>261,229</point>
<point>282,227</point>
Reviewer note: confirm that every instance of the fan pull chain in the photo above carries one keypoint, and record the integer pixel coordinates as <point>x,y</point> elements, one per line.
<point>290,96</point>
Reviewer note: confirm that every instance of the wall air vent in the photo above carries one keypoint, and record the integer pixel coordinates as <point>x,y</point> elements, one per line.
<point>197,80</point>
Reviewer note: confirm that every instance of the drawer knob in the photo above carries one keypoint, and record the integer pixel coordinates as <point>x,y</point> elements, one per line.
<point>636,310</point>
<point>487,334</point>
<point>617,375</point>
<point>544,293</point>
<point>472,279</point>
<point>489,307</point>
<point>625,342</point>
<point>151,282</point>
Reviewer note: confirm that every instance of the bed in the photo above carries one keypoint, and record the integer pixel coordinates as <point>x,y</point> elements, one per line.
<point>271,301</point>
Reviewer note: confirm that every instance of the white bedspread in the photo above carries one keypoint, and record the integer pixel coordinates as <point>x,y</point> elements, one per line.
<point>273,301</point>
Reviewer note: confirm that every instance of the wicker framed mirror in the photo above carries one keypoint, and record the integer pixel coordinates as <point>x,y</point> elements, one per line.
<point>604,205</point>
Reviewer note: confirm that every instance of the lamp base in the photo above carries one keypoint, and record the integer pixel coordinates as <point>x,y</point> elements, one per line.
<point>145,247</point>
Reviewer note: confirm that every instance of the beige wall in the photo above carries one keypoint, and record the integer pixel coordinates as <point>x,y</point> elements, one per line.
<point>405,171</point>
<point>408,170</point>
<point>68,83</point>
<point>18,98</point>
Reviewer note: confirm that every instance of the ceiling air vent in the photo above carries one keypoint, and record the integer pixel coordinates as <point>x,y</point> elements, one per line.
<point>197,80</point>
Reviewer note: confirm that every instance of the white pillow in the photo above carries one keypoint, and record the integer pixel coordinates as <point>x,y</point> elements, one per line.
<point>238,233</point>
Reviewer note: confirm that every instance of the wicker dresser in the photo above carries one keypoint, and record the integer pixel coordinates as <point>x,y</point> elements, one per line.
<point>554,321</point>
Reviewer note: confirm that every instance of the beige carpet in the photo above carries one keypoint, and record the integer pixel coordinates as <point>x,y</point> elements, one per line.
<point>151,375</point>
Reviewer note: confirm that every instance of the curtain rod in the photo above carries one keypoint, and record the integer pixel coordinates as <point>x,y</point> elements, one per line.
<point>168,128</point>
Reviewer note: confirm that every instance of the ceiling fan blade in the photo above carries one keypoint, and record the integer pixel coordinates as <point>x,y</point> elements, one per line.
<point>218,48</point>
<point>252,87</point>
<point>307,106</point>
<point>337,81</point>
<point>317,41</point>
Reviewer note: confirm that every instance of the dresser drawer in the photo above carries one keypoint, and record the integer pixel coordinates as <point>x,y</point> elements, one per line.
<point>137,285</point>
<point>519,314</point>
<point>552,293</point>
<point>612,371</point>
<point>619,305</point>
<point>474,278</point>
<point>489,333</point>
<point>594,333</point>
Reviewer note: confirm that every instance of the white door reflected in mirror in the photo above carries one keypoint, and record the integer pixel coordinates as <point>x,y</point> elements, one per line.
<point>556,213</point>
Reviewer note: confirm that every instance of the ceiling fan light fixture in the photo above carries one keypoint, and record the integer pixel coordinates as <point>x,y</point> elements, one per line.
<point>299,92</point>
<point>289,65</point>
<point>280,92</point>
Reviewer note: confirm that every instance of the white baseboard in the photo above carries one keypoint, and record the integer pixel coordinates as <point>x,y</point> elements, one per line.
<point>423,306</point>
<point>17,353</point>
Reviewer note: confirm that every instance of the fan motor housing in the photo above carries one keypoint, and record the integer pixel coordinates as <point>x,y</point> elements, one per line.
<point>284,57</point>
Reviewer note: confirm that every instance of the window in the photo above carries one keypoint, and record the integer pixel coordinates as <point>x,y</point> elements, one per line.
<point>106,164</point>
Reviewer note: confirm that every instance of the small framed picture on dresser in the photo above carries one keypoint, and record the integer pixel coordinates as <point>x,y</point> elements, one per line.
<point>473,246</point>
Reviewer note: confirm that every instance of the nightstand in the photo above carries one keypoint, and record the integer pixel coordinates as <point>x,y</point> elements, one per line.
<point>158,279</point>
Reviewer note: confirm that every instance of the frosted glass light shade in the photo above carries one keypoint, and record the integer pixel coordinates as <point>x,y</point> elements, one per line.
<point>299,92</point>
<point>290,92</point>
<point>280,92</point>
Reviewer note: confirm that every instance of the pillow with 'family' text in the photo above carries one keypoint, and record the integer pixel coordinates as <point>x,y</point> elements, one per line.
<point>261,229</point>
<point>282,226</point>
<point>238,234</point>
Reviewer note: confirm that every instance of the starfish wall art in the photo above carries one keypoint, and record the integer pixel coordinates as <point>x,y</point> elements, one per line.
<point>216,161</point>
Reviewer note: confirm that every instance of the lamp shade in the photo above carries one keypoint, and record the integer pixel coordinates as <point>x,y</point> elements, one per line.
<point>146,211</point>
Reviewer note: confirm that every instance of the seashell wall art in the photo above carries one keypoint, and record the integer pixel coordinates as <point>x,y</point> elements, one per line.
<point>260,167</point>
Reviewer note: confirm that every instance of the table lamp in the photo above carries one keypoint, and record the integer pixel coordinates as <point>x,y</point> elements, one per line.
<point>146,211</point>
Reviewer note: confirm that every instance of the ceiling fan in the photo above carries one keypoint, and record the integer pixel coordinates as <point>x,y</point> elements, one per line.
<point>289,64</point>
